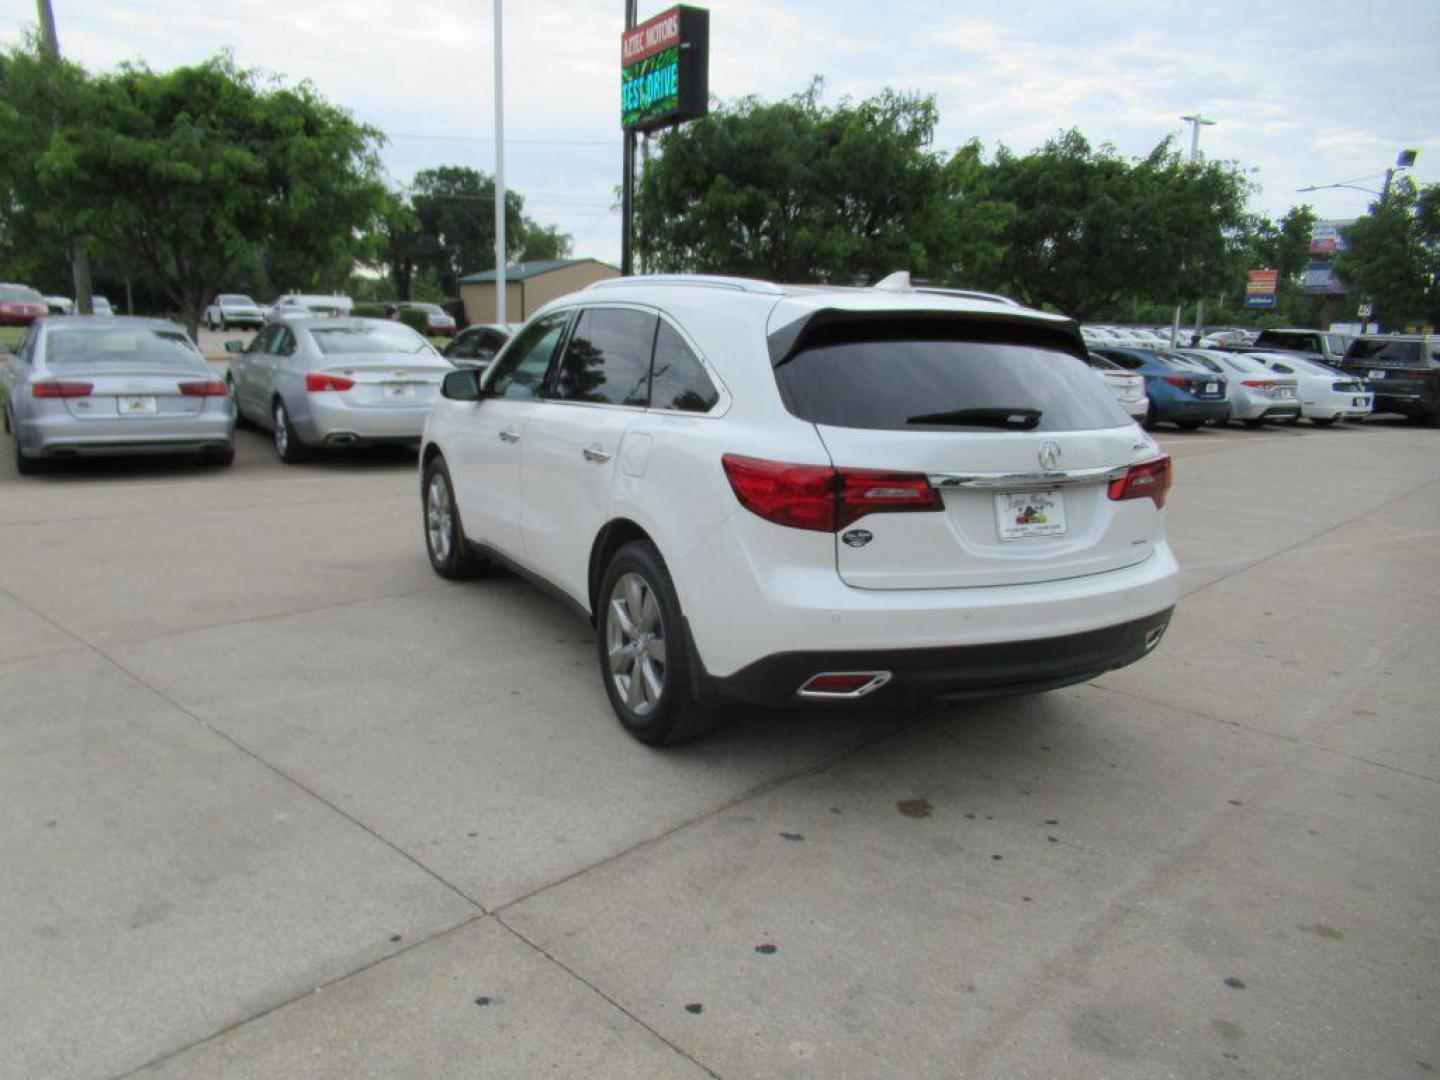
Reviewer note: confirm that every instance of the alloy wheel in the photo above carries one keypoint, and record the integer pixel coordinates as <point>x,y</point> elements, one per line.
<point>438,517</point>
<point>282,431</point>
<point>635,644</point>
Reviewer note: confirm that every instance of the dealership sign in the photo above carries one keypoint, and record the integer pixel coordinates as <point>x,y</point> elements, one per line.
<point>665,70</point>
<point>1261,288</point>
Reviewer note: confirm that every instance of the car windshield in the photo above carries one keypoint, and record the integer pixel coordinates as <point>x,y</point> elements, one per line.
<point>234,298</point>
<point>1310,367</point>
<point>375,337</point>
<point>1280,339</point>
<point>1185,363</point>
<point>151,346</point>
<point>20,294</point>
<point>1381,351</point>
<point>1243,363</point>
<point>914,376</point>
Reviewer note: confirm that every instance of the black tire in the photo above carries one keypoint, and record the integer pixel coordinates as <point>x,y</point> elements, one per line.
<point>24,464</point>
<point>673,716</point>
<point>288,447</point>
<point>224,326</point>
<point>450,553</point>
<point>240,421</point>
<point>1322,421</point>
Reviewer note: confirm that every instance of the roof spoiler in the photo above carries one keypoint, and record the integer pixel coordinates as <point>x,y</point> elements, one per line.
<point>785,342</point>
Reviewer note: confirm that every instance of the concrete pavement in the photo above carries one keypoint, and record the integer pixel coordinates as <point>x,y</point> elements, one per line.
<point>276,801</point>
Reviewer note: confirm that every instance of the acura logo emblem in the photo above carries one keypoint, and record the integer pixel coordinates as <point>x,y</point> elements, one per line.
<point>1049,455</point>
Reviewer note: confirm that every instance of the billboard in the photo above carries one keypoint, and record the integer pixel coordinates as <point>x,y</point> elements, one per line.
<point>1261,287</point>
<point>665,70</point>
<point>1328,237</point>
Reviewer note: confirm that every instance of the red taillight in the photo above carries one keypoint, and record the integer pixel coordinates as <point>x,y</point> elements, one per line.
<point>1149,480</point>
<point>1177,380</point>
<point>57,389</point>
<point>211,388</point>
<point>317,381</point>
<point>821,498</point>
<point>1259,384</point>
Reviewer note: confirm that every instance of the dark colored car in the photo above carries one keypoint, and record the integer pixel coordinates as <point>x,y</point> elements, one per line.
<point>1181,392</point>
<point>1403,370</point>
<point>21,305</point>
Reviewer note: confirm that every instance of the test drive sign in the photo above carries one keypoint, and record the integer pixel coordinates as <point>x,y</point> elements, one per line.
<point>1261,288</point>
<point>665,70</point>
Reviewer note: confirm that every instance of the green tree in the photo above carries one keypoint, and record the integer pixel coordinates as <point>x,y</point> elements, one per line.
<point>545,242</point>
<point>38,213</point>
<point>196,169</point>
<point>1091,229</point>
<point>798,191</point>
<point>455,209</point>
<point>1392,255</point>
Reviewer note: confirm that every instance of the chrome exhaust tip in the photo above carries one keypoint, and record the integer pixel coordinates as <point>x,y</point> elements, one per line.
<point>842,685</point>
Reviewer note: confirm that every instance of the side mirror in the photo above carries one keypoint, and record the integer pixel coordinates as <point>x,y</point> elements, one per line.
<point>462,385</point>
<point>234,346</point>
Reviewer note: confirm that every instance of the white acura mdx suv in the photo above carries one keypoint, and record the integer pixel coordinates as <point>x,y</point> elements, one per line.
<point>807,495</point>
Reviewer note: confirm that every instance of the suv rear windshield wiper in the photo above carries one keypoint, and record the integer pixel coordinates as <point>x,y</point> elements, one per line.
<point>1016,419</point>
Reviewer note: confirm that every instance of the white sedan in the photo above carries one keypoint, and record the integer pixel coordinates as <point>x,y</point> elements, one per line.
<point>1128,388</point>
<point>1254,392</point>
<point>1326,395</point>
<point>335,382</point>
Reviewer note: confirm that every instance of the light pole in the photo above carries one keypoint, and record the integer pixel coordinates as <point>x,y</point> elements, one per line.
<point>500,312</point>
<point>1196,122</point>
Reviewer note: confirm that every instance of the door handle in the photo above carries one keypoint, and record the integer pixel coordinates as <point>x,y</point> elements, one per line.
<point>596,453</point>
<point>510,435</point>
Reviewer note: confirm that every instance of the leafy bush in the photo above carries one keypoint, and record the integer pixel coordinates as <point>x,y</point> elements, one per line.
<point>415,319</point>
<point>370,311</point>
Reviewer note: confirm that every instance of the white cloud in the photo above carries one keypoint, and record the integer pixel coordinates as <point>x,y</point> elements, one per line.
<point>1302,93</point>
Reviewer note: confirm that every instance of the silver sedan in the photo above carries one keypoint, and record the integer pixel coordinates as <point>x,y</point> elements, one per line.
<point>336,382</point>
<point>90,384</point>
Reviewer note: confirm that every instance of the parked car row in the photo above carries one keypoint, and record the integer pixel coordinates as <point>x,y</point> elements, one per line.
<point>776,495</point>
<point>1285,376</point>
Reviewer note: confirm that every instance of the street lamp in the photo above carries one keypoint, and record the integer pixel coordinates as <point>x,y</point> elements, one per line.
<point>1196,122</point>
<point>1405,160</point>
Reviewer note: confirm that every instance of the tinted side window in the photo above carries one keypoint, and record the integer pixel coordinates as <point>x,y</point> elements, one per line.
<point>260,343</point>
<point>284,342</point>
<point>608,358</point>
<point>678,379</point>
<point>917,376</point>
<point>520,372</point>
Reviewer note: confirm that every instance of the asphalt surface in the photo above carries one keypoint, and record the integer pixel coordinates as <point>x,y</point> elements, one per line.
<point>275,801</point>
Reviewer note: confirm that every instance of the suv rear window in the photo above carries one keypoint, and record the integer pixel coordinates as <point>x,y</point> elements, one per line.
<point>1379,351</point>
<point>901,376</point>
<point>1275,339</point>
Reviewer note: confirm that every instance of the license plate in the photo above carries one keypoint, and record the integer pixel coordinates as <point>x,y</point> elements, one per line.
<point>1376,375</point>
<point>1030,513</point>
<point>1358,402</point>
<point>1212,388</point>
<point>1285,392</point>
<point>399,391</point>
<point>130,405</point>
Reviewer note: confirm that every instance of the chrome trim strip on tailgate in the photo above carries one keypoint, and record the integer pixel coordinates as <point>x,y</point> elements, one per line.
<point>1021,480</point>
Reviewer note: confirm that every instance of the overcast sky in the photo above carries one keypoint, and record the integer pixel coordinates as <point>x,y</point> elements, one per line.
<point>1304,93</point>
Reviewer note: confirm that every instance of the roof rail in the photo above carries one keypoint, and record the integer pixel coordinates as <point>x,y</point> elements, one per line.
<point>740,284</point>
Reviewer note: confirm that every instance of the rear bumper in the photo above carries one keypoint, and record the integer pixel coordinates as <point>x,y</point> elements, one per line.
<point>54,436</point>
<point>334,422</point>
<point>950,673</point>
<point>1192,410</point>
<point>252,319</point>
<point>1409,404</point>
